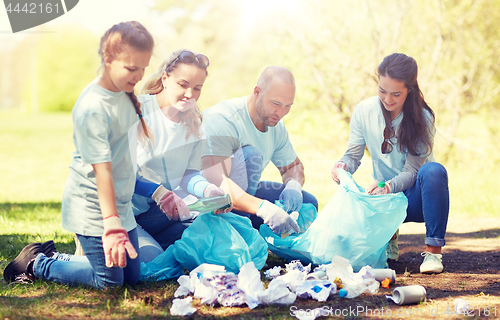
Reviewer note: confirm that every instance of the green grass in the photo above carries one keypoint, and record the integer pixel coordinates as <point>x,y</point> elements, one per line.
<point>35,155</point>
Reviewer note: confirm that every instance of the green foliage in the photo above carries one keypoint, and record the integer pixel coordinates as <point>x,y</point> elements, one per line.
<point>67,62</point>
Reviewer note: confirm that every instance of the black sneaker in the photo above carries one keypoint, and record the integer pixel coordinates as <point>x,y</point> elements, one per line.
<point>49,248</point>
<point>22,263</point>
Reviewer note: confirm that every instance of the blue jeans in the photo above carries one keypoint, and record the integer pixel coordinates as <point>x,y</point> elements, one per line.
<point>429,202</point>
<point>160,227</point>
<point>149,248</point>
<point>246,170</point>
<point>89,270</point>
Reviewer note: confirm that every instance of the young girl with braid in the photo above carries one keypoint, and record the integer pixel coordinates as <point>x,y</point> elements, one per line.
<point>174,161</point>
<point>97,196</point>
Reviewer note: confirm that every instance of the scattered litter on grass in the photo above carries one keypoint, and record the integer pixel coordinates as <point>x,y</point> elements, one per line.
<point>385,283</point>
<point>213,285</point>
<point>273,272</point>
<point>182,307</point>
<point>461,306</point>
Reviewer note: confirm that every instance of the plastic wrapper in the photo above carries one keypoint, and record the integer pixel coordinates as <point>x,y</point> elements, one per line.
<point>182,307</point>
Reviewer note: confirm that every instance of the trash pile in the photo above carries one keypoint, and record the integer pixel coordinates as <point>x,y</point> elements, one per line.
<point>213,285</point>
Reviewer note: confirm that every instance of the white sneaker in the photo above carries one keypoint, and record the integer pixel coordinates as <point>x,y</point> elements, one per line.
<point>393,249</point>
<point>432,263</point>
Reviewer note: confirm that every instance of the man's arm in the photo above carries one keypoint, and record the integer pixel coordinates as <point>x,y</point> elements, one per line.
<point>294,170</point>
<point>216,170</point>
<point>293,179</point>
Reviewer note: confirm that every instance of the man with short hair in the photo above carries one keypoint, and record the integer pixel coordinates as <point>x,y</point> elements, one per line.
<point>243,136</point>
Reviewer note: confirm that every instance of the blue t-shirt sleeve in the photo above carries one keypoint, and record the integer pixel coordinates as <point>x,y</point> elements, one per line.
<point>356,136</point>
<point>221,136</point>
<point>284,154</point>
<point>144,187</point>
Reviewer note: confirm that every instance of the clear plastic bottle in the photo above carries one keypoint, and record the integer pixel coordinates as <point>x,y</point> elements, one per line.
<point>205,205</point>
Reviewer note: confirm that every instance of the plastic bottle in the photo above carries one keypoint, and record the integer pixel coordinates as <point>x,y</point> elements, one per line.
<point>205,205</point>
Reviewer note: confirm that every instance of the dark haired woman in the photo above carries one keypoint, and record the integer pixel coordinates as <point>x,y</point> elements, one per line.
<point>397,127</point>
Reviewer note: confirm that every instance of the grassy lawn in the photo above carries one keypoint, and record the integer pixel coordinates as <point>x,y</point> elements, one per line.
<point>35,155</point>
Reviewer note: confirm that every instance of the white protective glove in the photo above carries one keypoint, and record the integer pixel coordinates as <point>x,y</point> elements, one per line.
<point>277,219</point>
<point>292,196</point>
<point>116,243</point>
<point>170,204</point>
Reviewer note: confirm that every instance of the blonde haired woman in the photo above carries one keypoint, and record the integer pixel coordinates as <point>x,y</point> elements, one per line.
<point>174,160</point>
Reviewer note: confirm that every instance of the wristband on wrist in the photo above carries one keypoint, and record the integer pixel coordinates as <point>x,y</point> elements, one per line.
<point>111,216</point>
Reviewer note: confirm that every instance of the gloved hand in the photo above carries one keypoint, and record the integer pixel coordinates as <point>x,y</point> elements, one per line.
<point>292,196</point>
<point>170,204</point>
<point>335,175</point>
<point>374,189</point>
<point>277,219</point>
<point>213,191</point>
<point>116,243</point>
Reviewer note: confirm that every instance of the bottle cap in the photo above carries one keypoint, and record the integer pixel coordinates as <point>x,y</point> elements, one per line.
<point>381,184</point>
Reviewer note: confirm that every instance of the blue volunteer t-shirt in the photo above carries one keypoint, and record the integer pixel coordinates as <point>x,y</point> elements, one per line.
<point>101,120</point>
<point>228,127</point>
<point>172,154</point>
<point>367,127</point>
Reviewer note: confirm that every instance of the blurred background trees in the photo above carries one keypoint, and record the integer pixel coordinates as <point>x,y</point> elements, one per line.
<point>333,47</point>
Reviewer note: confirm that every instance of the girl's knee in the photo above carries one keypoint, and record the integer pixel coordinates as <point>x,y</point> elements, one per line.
<point>433,170</point>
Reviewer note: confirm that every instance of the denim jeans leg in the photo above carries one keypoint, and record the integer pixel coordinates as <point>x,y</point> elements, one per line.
<point>160,227</point>
<point>149,248</point>
<point>91,272</point>
<point>246,168</point>
<point>429,202</point>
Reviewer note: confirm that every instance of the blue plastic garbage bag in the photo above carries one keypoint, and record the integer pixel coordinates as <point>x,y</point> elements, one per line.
<point>163,267</point>
<point>307,214</point>
<point>225,239</point>
<point>353,225</point>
